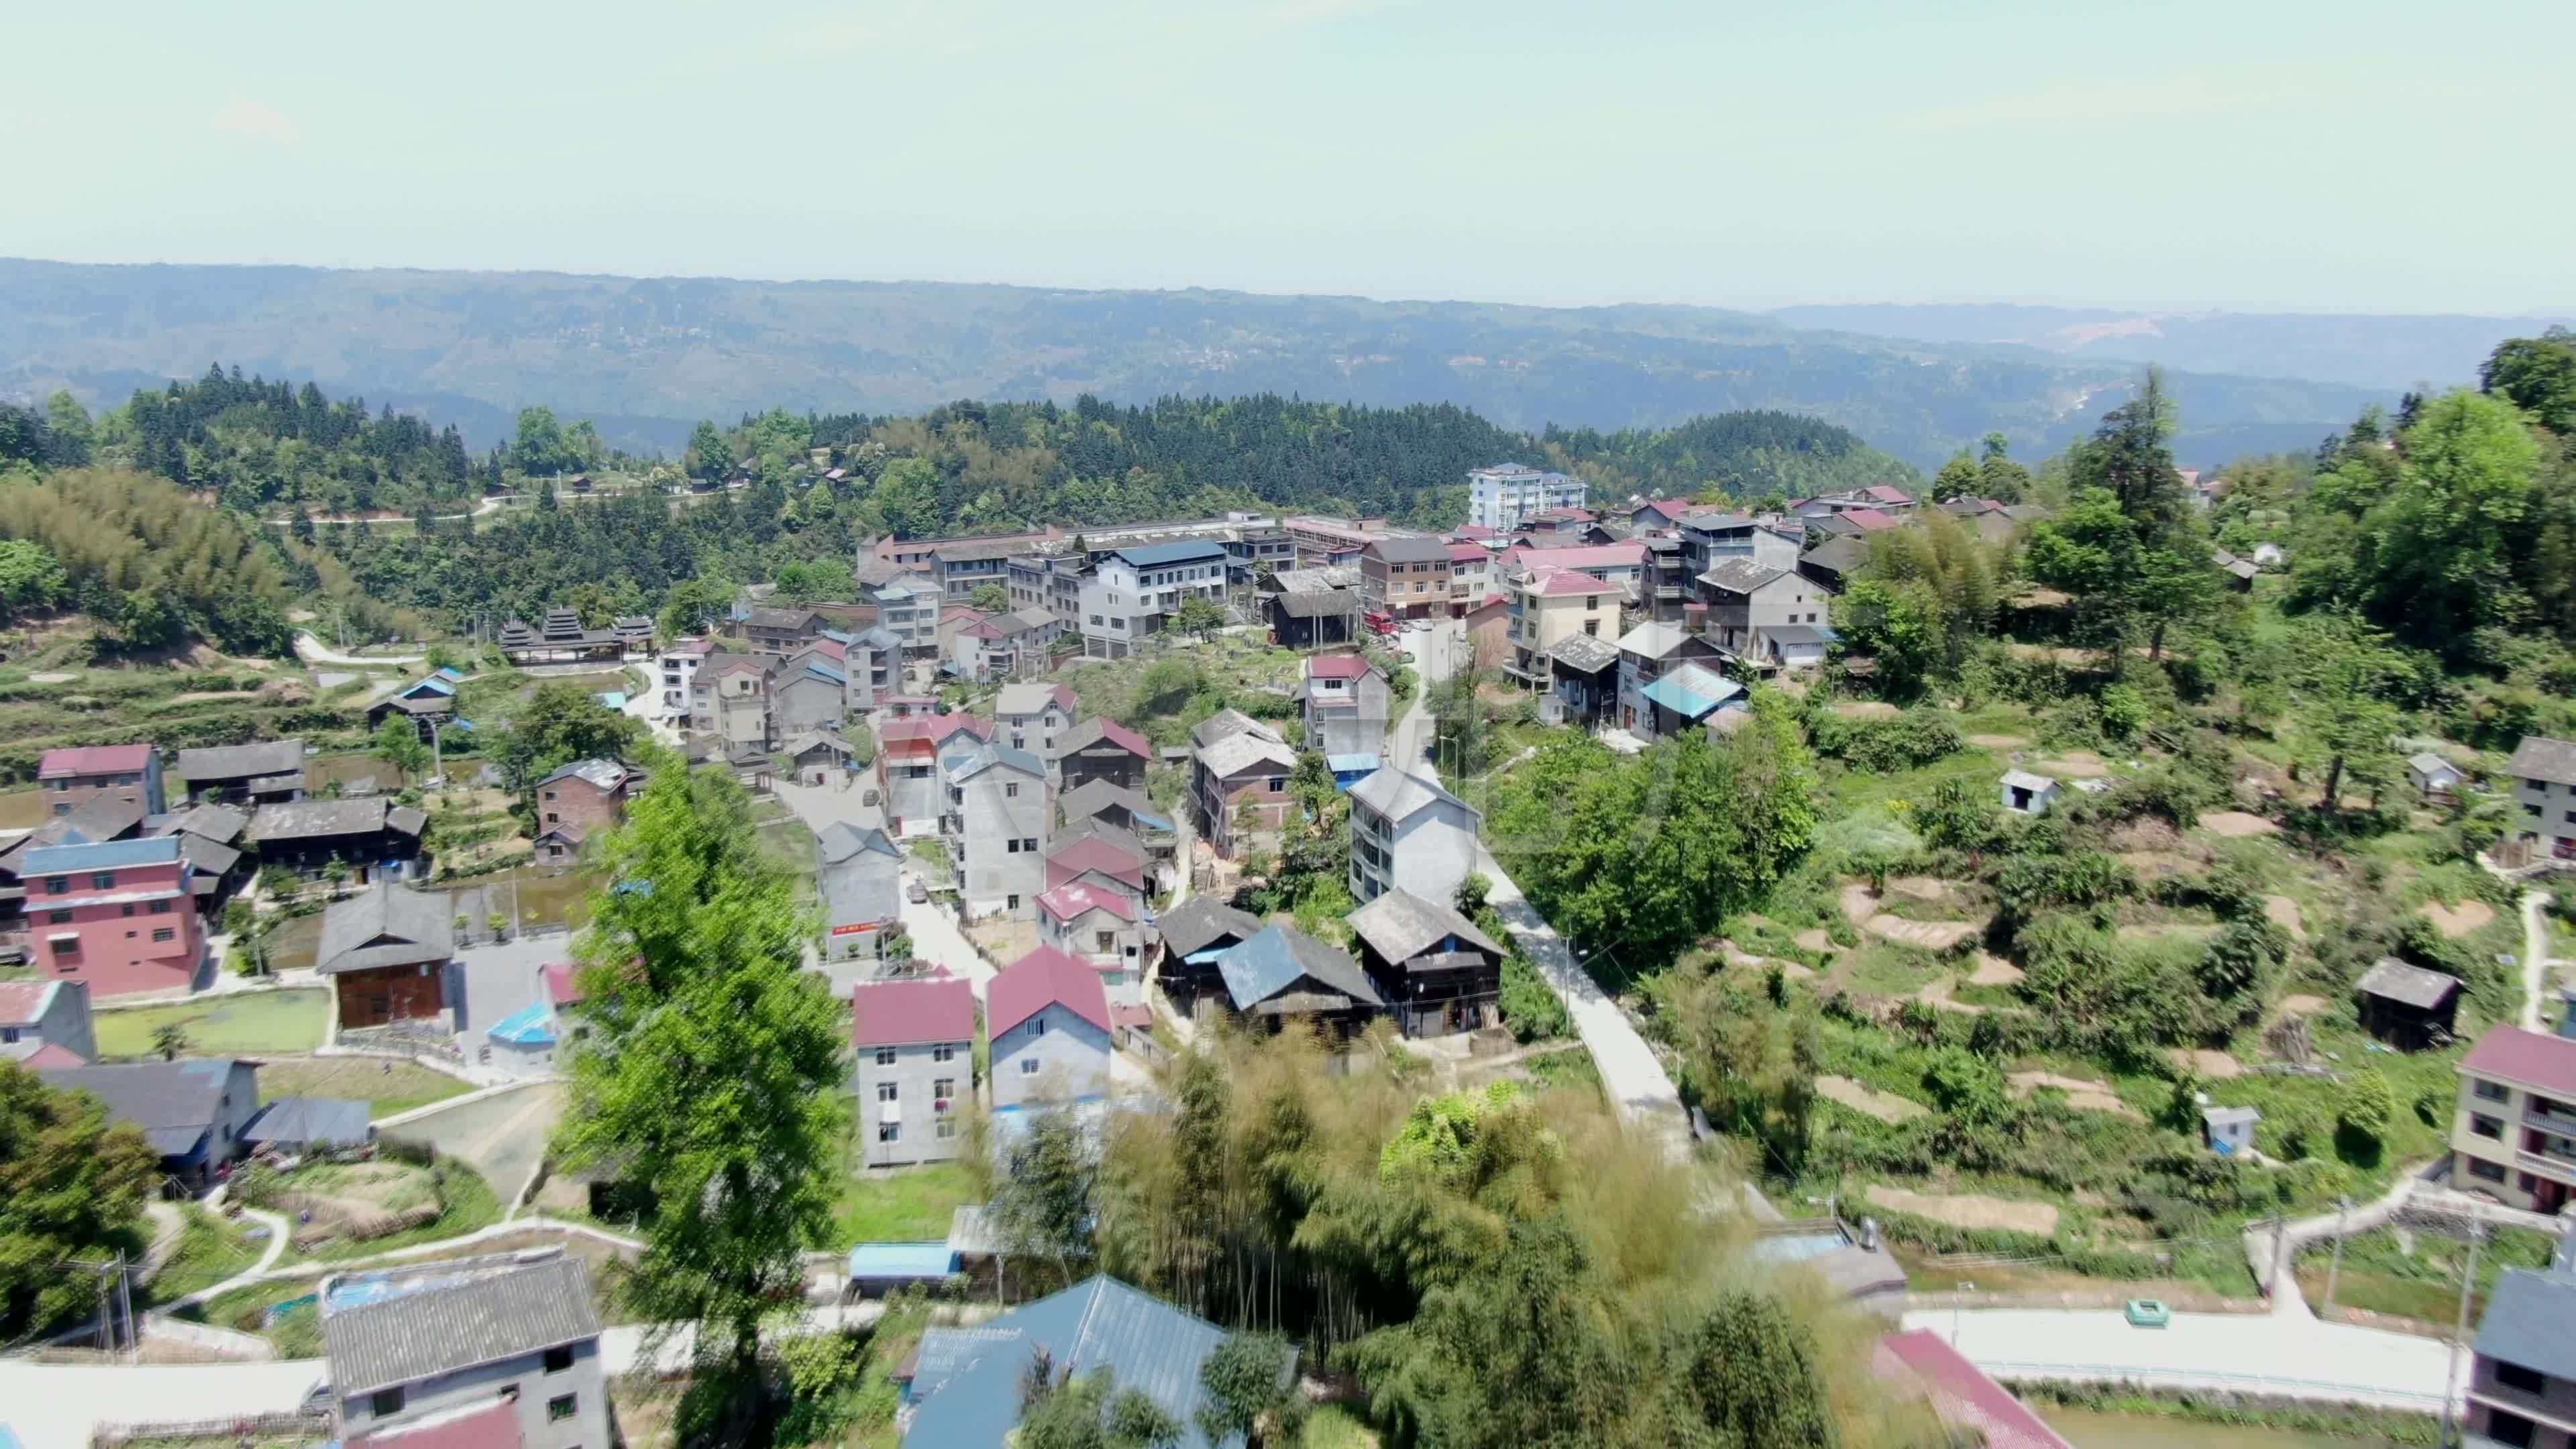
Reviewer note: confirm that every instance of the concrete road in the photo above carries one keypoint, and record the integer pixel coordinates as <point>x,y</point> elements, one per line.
<point>1630,1071</point>
<point>2254,1353</point>
<point>314,651</point>
<point>501,1133</point>
<point>936,936</point>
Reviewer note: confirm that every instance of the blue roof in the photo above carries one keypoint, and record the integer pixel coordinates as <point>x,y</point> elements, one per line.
<point>1270,962</point>
<point>986,755</point>
<point>902,1260</point>
<point>1347,764</point>
<point>1163,555</point>
<point>434,684</point>
<point>102,855</point>
<point>826,673</point>
<point>450,673</point>
<point>531,1025</point>
<point>298,1121</point>
<point>613,698</point>
<point>1692,691</point>
<point>966,1380</point>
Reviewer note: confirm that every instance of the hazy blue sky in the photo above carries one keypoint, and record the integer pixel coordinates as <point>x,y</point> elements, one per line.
<point>2291,154</point>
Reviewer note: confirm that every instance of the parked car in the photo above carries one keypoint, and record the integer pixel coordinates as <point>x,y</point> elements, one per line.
<point>2148,1313</point>
<point>915,892</point>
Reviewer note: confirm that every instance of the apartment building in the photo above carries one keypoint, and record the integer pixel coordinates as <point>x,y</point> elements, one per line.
<point>1545,605</point>
<point>1502,496</point>
<point>70,778</point>
<point>1135,590</point>
<point>496,1350</point>
<point>679,669</point>
<point>116,914</point>
<point>1031,716</point>
<point>1239,769</point>
<point>2514,1134</point>
<point>997,819</point>
<point>913,1067</point>
<point>2544,794</point>
<point>729,699</point>
<point>2522,1376</point>
<point>1409,834</point>
<point>1331,542</point>
<point>1407,577</point>
<point>1709,539</point>
<point>908,608</point>
<point>1748,603</point>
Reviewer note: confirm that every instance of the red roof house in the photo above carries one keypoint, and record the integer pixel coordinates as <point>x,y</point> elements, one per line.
<point>1071,859</point>
<point>1337,666</point>
<point>1072,900</point>
<point>560,987</point>
<point>93,760</point>
<point>2532,1059</point>
<point>1045,977</point>
<point>910,1013</point>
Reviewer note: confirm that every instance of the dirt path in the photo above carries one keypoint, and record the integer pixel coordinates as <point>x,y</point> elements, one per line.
<point>1865,709</point>
<point>1937,996</point>
<point>1813,939</point>
<point>2088,1096</point>
<point>1885,1106</point>
<point>1860,907</point>
<point>2074,765</point>
<point>1998,742</point>
<point>2170,931</point>
<point>2236,824</point>
<point>2216,1066</point>
<point>2284,913</point>
<point>1968,1209</point>
<point>1993,970</point>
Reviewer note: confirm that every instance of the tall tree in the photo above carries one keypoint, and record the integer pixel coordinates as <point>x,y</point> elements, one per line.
<point>72,1187</point>
<point>713,1081</point>
<point>2344,672</point>
<point>2130,547</point>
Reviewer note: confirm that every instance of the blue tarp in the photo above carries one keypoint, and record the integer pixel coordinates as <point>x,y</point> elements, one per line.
<point>613,698</point>
<point>532,1025</point>
<point>1692,691</point>
<point>902,1260</point>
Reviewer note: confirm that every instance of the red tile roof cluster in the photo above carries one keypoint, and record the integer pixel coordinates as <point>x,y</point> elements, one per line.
<point>1045,977</point>
<point>1469,553</point>
<point>1337,666</point>
<point>1474,530</point>
<point>1566,581</point>
<point>1869,519</point>
<point>22,1001</point>
<point>93,760</point>
<point>1897,497</point>
<point>560,987</point>
<point>905,1013</point>
<point>1626,553</point>
<point>1125,738</point>
<point>1070,901</point>
<point>2531,1058</point>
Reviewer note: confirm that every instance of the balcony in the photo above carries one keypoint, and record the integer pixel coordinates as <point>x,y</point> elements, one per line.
<point>2557,1167</point>
<point>2556,1118</point>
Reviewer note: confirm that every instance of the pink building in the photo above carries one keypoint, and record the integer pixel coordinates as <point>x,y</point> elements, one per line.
<point>114,914</point>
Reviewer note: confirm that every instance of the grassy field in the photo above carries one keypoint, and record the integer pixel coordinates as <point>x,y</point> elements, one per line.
<point>467,1205</point>
<point>2417,1276</point>
<point>252,1022</point>
<point>387,1086</point>
<point>211,1249</point>
<point>901,1205</point>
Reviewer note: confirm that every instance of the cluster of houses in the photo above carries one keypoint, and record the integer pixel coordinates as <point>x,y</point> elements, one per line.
<point>117,885</point>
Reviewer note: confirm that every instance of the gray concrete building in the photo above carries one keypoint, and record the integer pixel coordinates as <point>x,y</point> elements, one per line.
<point>860,877</point>
<point>2544,795</point>
<point>997,819</point>
<point>1409,834</point>
<point>502,1349</point>
<point>912,1067</point>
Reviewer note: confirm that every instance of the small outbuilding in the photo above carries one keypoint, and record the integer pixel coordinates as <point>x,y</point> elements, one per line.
<point>2029,794</point>
<point>2433,775</point>
<point>298,1125</point>
<point>2407,1006</point>
<point>2228,1131</point>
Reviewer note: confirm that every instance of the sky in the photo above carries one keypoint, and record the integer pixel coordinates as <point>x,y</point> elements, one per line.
<point>2290,155</point>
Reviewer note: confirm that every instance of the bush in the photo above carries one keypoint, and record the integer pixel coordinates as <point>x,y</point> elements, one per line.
<point>2367,1108</point>
<point>1532,1010</point>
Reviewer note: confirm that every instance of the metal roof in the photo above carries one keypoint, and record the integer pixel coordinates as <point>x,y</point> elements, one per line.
<point>2530,1058</point>
<point>966,1380</point>
<point>2025,780</point>
<point>1277,957</point>
<point>1163,555</point>
<point>100,855</point>
<point>1099,729</point>
<point>2527,1322</point>
<point>405,1325</point>
<point>841,840</point>
<point>1653,640</point>
<point>603,774</point>
<point>1741,575</point>
<point>307,1121</point>
<point>1692,691</point>
<point>1235,753</point>
<point>306,819</point>
<point>900,1262</point>
<point>986,755</point>
<point>1042,978</point>
<point>530,1025</point>
<point>93,760</point>
<point>1584,653</point>
<point>912,1011</point>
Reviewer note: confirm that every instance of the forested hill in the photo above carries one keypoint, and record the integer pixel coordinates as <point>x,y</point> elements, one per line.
<point>642,359</point>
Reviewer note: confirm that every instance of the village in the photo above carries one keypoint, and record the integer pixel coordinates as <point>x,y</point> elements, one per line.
<point>1055,799</point>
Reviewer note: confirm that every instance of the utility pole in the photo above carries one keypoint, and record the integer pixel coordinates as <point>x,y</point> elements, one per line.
<point>2334,1270</point>
<point>125,1303</point>
<point>2280,1234</point>
<point>2460,1331</point>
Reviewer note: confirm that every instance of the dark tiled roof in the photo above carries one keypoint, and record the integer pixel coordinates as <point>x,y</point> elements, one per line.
<point>235,762</point>
<point>1202,921</point>
<point>385,925</point>
<point>1400,925</point>
<point>174,1103</point>
<point>1584,653</point>
<point>2540,758</point>
<point>1277,957</point>
<point>2529,1321</point>
<point>1410,550</point>
<point>442,1317</point>
<point>2413,986</point>
<point>1740,575</point>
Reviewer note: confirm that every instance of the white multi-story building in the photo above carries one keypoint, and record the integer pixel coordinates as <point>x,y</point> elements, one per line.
<point>1501,496</point>
<point>1134,590</point>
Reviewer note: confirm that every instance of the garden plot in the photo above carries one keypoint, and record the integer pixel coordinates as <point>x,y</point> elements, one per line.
<point>1865,709</point>
<point>1885,1106</point>
<point>2460,920</point>
<point>1861,906</point>
<point>2074,765</point>
<point>2214,1065</point>
<point>1993,970</point>
<point>1998,742</point>
<point>1968,1209</point>
<point>2236,824</point>
<point>2081,1093</point>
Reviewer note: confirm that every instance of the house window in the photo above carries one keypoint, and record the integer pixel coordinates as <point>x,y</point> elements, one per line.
<point>164,934</point>
<point>560,1407</point>
<point>385,1401</point>
<point>1028,1066</point>
<point>945,1128</point>
<point>1028,845</point>
<point>1014,846</point>
<point>885,1056</point>
<point>2486,1171</point>
<point>943,1054</point>
<point>889,1132</point>
<point>126,909</point>
<point>2485,1126</point>
<point>2525,1380</point>
<point>160,908</point>
<point>1011,903</point>
<point>558,1360</point>
<point>942,1091</point>
<point>1592,627</point>
<point>8,1033</point>
<point>66,945</point>
<point>1275,784</point>
<point>1011,791</point>
<point>1037,1025</point>
<point>57,884</point>
<point>58,918</point>
<point>1104,940</point>
<point>102,880</point>
<point>2512,1430</point>
<point>888,1091</point>
<point>2492,1091</point>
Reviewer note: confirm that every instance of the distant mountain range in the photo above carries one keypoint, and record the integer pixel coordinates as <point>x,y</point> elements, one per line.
<point>2382,352</point>
<point>646,358</point>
